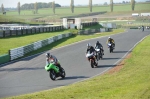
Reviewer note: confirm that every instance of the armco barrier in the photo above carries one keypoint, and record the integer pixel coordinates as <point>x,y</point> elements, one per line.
<point>21,51</point>
<point>34,30</point>
<point>85,32</point>
<point>4,58</point>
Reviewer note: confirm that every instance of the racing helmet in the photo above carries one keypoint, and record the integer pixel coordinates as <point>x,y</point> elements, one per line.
<point>48,55</point>
<point>88,45</point>
<point>97,42</point>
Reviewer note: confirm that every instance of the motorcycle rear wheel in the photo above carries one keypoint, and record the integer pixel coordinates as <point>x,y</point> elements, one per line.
<point>63,73</point>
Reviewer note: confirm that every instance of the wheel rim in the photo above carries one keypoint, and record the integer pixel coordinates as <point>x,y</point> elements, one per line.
<point>53,75</point>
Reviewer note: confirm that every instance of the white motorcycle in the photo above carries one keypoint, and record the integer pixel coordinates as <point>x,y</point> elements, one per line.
<point>90,56</point>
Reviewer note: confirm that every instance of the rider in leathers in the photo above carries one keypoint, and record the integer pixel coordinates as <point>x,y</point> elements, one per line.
<point>111,41</point>
<point>99,46</point>
<point>52,57</point>
<point>90,49</point>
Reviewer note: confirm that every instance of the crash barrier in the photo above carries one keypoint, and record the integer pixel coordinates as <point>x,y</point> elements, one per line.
<point>134,28</point>
<point>91,31</point>
<point>86,24</point>
<point>4,58</point>
<point>8,33</point>
<point>21,51</point>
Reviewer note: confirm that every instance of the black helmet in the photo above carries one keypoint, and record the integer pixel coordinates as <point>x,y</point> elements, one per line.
<point>97,42</point>
<point>48,55</point>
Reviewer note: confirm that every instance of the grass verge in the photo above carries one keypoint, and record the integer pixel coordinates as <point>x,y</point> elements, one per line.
<point>18,41</point>
<point>131,82</point>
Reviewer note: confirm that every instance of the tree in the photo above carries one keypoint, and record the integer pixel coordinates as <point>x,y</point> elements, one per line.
<point>53,6</point>
<point>2,8</point>
<point>39,5</point>
<point>72,6</point>
<point>123,2</point>
<point>18,6</point>
<point>132,4</point>
<point>105,3</point>
<point>111,5</point>
<point>90,5</point>
<point>35,8</point>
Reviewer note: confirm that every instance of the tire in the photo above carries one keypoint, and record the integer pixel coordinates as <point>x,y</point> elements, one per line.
<point>92,63</point>
<point>101,55</point>
<point>97,56</point>
<point>63,73</point>
<point>96,63</point>
<point>52,74</point>
<point>110,50</point>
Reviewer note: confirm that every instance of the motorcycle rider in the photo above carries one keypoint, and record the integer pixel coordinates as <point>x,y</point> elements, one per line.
<point>99,46</point>
<point>111,41</point>
<point>52,57</point>
<point>90,49</point>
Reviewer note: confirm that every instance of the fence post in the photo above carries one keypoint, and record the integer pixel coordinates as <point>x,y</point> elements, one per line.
<point>3,33</point>
<point>16,32</point>
<point>21,31</point>
<point>10,32</point>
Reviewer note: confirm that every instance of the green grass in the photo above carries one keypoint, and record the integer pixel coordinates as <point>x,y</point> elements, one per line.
<point>47,13</point>
<point>131,82</point>
<point>18,41</point>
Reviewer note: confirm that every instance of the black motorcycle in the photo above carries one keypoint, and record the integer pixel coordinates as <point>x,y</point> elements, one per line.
<point>99,54</point>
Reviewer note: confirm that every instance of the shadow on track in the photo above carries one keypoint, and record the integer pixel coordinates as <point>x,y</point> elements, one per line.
<point>110,58</point>
<point>72,77</point>
<point>121,51</point>
<point>19,69</point>
<point>104,66</point>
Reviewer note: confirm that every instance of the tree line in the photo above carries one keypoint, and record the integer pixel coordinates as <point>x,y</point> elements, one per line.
<point>38,5</point>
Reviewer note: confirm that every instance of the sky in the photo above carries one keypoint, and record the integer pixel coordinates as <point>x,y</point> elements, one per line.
<point>13,3</point>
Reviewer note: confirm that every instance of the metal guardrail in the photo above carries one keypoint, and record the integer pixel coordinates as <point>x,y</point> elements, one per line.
<point>21,51</point>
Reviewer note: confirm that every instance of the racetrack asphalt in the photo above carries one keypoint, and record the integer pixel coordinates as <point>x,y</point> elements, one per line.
<point>28,75</point>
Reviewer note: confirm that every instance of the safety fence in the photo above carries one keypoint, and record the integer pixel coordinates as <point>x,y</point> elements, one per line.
<point>86,24</point>
<point>91,31</point>
<point>8,33</point>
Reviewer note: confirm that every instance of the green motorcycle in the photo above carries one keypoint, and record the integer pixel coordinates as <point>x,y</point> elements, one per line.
<point>55,71</point>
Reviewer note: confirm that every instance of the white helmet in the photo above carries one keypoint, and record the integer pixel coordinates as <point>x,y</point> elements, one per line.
<point>88,44</point>
<point>109,37</point>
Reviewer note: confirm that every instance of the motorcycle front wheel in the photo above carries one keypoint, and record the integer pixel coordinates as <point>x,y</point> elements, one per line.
<point>52,74</point>
<point>92,63</point>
